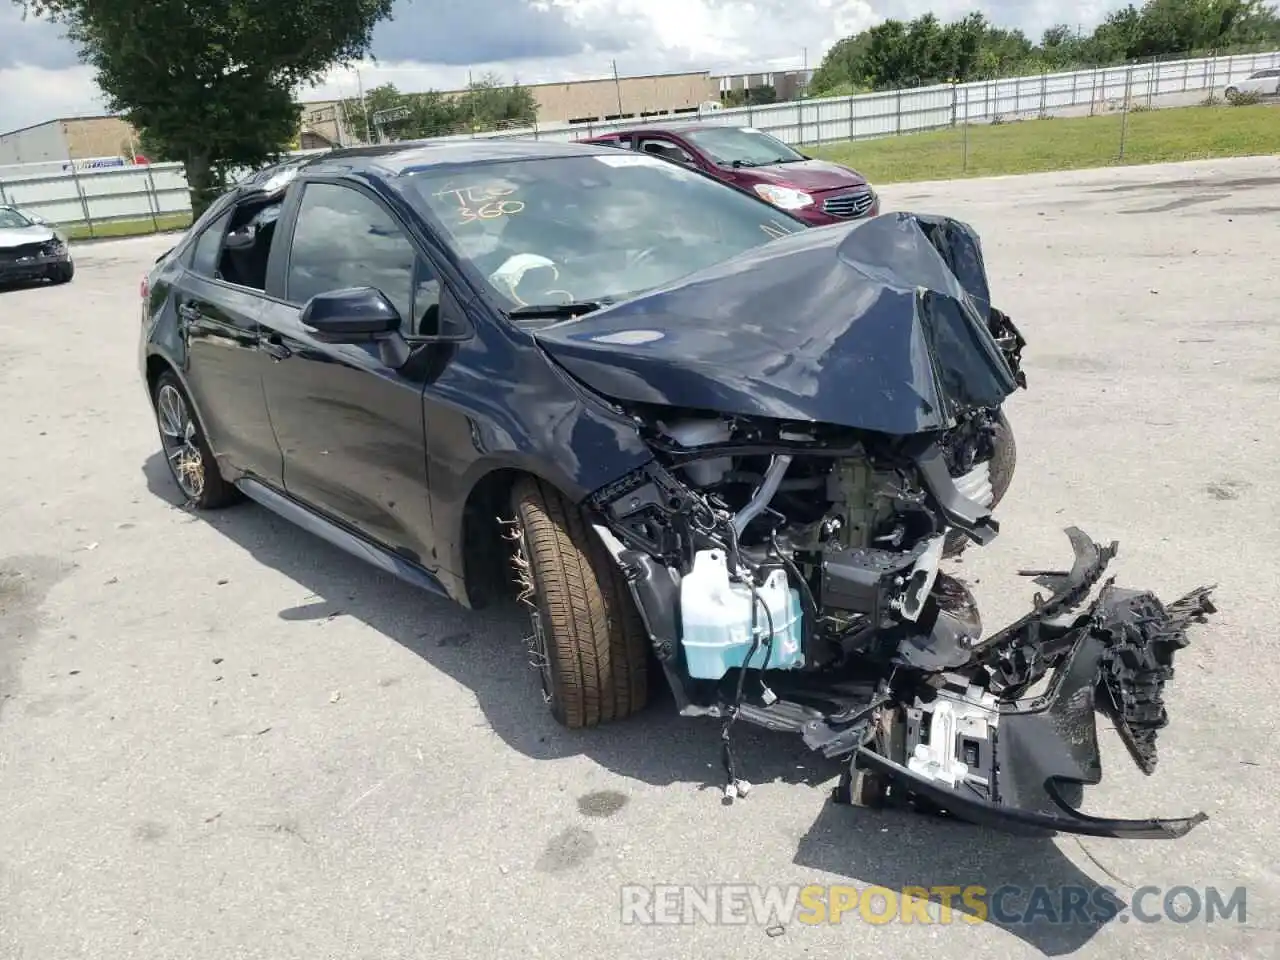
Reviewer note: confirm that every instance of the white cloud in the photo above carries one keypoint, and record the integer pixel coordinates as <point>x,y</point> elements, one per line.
<point>36,94</point>
<point>40,80</point>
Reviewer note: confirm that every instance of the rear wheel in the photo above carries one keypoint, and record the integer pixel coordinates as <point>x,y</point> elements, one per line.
<point>191,462</point>
<point>588,642</point>
<point>1004,459</point>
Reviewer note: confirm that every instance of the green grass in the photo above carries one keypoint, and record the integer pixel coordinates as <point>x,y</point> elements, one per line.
<point>1066,143</point>
<point>126,228</point>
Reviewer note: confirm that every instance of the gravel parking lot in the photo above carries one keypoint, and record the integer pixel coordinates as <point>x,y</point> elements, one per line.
<point>221,738</point>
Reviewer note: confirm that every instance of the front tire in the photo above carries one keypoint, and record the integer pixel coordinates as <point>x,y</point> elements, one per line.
<point>589,643</point>
<point>62,272</point>
<point>1004,459</point>
<point>191,463</point>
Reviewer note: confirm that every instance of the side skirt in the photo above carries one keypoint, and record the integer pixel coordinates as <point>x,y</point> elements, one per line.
<point>340,536</point>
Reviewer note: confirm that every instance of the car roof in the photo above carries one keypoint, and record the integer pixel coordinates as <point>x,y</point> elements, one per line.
<point>394,159</point>
<point>677,127</point>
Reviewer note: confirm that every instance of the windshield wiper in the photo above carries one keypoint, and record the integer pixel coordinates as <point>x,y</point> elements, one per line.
<point>556,310</point>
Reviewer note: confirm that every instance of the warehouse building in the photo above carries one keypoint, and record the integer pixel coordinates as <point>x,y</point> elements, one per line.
<point>574,101</point>
<point>69,139</point>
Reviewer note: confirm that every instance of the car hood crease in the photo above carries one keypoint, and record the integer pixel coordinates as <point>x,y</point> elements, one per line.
<point>880,325</point>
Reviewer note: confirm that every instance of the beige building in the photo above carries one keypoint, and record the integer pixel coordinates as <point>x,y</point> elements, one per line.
<point>69,139</point>
<point>587,101</point>
<point>575,101</point>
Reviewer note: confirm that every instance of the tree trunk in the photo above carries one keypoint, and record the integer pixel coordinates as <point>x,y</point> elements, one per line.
<point>202,183</point>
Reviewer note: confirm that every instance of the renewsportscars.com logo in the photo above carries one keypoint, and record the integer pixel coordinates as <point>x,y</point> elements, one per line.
<point>1007,906</point>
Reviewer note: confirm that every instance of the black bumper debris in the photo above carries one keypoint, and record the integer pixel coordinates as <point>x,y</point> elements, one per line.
<point>993,755</point>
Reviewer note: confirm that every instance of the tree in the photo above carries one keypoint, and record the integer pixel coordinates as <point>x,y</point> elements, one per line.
<point>924,51</point>
<point>212,82</point>
<point>428,114</point>
<point>488,104</point>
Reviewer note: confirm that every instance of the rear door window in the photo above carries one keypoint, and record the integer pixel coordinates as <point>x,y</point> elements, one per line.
<point>208,246</point>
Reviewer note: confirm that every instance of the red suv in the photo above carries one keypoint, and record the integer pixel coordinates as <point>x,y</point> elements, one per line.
<point>816,191</point>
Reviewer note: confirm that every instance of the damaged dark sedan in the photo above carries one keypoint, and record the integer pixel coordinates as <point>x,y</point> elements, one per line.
<point>719,449</point>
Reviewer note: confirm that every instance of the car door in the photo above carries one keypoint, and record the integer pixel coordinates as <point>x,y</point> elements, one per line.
<point>350,427</point>
<point>218,321</point>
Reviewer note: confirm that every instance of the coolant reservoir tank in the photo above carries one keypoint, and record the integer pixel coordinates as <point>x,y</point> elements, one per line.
<point>699,433</point>
<point>715,620</point>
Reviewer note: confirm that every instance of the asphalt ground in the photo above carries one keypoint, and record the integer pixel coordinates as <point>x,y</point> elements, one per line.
<point>222,738</point>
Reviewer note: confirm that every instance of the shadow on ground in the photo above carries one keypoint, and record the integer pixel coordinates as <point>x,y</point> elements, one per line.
<point>484,651</point>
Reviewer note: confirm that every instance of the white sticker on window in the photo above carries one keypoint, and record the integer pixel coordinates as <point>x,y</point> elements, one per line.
<point>633,160</point>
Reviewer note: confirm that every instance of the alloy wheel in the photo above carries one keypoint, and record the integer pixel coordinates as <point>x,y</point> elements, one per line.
<point>179,435</point>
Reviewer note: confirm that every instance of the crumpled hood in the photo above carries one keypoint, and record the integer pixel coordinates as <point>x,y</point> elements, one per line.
<point>17,236</point>
<point>879,325</point>
<point>814,175</point>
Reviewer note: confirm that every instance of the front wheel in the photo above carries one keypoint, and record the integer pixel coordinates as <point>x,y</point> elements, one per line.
<point>62,272</point>
<point>589,644</point>
<point>1004,459</point>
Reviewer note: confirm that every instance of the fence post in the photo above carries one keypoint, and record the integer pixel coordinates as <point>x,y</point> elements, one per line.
<point>1044,83</point>
<point>966,129</point>
<point>852,125</point>
<point>1093,91</point>
<point>1074,78</point>
<point>1186,71</point>
<point>1124,114</point>
<point>84,201</point>
<point>153,199</point>
<point>1152,73</point>
<point>955,95</point>
<point>897,112</point>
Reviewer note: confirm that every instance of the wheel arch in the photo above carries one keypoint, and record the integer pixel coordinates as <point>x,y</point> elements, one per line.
<point>479,533</point>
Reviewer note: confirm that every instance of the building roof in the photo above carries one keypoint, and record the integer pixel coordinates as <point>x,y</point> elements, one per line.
<point>45,123</point>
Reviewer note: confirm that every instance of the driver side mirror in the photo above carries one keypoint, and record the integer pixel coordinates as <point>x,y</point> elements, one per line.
<point>351,315</point>
<point>37,219</point>
<point>358,315</point>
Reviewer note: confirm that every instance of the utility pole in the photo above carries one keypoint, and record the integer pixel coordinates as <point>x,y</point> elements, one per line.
<point>364,107</point>
<point>617,85</point>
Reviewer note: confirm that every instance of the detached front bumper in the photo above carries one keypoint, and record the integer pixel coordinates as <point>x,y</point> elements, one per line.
<point>1021,765</point>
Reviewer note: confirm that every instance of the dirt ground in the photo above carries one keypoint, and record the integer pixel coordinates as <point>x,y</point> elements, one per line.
<point>221,738</point>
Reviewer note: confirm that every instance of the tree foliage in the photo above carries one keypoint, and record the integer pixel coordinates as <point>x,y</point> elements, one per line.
<point>925,51</point>
<point>485,104</point>
<point>211,82</point>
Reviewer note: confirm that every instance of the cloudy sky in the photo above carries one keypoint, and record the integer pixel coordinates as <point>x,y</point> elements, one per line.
<point>433,44</point>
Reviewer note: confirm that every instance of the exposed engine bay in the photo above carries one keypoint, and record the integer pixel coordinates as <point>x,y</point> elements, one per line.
<point>790,574</point>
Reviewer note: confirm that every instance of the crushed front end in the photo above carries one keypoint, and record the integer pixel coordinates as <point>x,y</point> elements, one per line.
<point>786,547</point>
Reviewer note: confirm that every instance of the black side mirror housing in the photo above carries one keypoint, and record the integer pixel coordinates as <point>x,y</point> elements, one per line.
<point>358,315</point>
<point>351,315</point>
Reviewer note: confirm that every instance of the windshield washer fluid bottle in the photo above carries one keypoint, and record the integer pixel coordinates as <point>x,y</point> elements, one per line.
<point>715,620</point>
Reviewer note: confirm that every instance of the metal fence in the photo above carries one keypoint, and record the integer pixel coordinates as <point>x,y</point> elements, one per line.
<point>108,202</point>
<point>137,199</point>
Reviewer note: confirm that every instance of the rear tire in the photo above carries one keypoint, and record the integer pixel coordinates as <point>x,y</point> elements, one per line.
<point>589,643</point>
<point>186,451</point>
<point>1004,460</point>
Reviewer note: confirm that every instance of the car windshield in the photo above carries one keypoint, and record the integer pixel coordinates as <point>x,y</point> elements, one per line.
<point>742,145</point>
<point>591,228</point>
<point>11,219</point>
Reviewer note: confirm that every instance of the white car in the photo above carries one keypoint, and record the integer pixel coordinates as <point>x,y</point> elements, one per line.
<point>1265,83</point>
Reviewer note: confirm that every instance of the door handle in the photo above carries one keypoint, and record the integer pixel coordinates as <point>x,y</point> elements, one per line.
<point>274,347</point>
<point>189,312</point>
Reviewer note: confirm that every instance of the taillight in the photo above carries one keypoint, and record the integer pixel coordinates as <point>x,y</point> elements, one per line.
<point>144,288</point>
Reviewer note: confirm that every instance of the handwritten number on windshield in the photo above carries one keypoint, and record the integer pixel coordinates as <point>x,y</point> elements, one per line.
<point>483,202</point>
